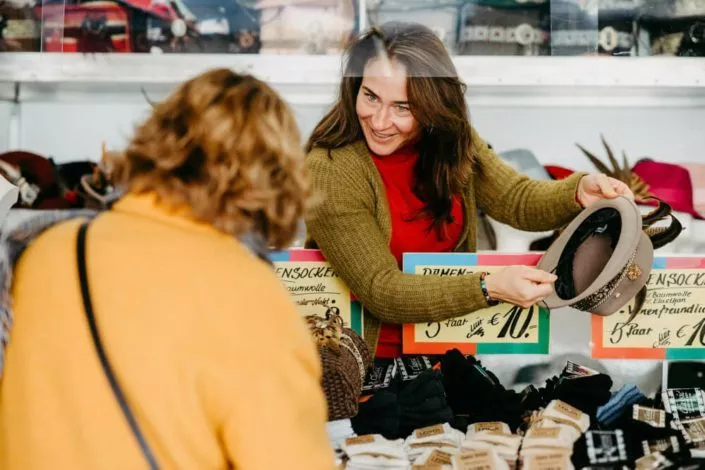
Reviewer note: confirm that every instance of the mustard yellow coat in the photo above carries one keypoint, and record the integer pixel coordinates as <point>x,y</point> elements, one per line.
<point>216,362</point>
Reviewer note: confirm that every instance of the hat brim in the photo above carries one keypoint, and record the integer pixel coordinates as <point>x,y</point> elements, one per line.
<point>624,251</point>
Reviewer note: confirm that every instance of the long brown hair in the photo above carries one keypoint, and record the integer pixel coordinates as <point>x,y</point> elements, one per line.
<point>226,147</point>
<point>437,102</point>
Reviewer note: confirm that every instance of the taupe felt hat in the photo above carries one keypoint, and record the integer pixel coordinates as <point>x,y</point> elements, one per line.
<point>603,257</point>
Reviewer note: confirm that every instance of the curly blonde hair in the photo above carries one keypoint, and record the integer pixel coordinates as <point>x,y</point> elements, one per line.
<point>226,146</point>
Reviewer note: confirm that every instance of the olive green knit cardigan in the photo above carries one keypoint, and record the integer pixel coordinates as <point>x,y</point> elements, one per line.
<point>353,229</point>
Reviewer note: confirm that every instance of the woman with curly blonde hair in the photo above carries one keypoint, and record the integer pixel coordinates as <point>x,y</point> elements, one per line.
<point>216,366</point>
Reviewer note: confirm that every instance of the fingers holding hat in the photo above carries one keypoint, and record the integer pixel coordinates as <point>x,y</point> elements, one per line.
<point>520,285</point>
<point>605,186</point>
<point>539,287</point>
<point>595,187</point>
<point>538,276</point>
<point>622,188</point>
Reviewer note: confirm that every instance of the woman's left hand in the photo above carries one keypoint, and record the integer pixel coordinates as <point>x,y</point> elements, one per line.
<point>595,187</point>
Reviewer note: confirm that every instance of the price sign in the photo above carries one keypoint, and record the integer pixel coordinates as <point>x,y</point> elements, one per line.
<point>670,325</point>
<point>315,287</point>
<point>503,329</point>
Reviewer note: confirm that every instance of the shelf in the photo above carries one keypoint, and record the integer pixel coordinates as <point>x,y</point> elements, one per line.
<point>326,69</point>
<point>577,79</point>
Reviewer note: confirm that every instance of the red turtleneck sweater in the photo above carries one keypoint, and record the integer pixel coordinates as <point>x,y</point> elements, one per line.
<point>409,234</point>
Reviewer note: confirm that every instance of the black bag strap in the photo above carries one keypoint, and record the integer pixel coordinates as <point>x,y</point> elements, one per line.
<point>104,362</point>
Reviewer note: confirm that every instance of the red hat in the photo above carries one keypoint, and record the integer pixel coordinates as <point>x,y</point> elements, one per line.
<point>558,172</point>
<point>35,176</point>
<point>669,182</point>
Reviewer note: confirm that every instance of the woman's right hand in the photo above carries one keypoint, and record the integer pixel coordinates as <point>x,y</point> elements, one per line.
<point>520,285</point>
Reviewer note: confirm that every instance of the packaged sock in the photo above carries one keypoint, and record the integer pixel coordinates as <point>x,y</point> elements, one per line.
<point>506,445</point>
<point>424,385</point>
<point>410,367</point>
<point>606,447</point>
<point>495,426</point>
<point>619,404</point>
<point>572,370</point>
<point>437,433</point>
<point>378,414</point>
<point>684,403</point>
<point>436,459</point>
<point>692,430</point>
<point>652,416</point>
<point>338,431</point>
<point>380,376</point>
<point>665,460</point>
<point>546,459</point>
<point>471,390</point>
<point>560,411</point>
<point>586,393</point>
<point>373,451</point>
<point>376,462</point>
<point>666,444</point>
<point>548,437</point>
<point>568,427</point>
<point>373,444</point>
<point>441,436</point>
<point>654,461</point>
<point>486,459</point>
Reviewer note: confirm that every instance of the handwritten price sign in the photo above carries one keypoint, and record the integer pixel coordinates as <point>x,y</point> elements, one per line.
<point>315,287</point>
<point>503,329</point>
<point>670,325</point>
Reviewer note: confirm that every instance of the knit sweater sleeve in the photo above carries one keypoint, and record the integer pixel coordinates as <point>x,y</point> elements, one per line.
<point>514,199</point>
<point>344,227</point>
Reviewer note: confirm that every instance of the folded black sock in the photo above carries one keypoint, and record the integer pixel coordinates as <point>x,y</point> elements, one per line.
<point>378,415</point>
<point>427,384</point>
<point>585,393</point>
<point>472,391</point>
<point>411,420</point>
<point>602,448</point>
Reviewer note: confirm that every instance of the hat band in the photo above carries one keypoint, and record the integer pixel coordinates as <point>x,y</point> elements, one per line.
<point>592,301</point>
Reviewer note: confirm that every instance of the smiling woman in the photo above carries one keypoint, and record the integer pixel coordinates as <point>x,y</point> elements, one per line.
<point>383,108</point>
<point>401,170</point>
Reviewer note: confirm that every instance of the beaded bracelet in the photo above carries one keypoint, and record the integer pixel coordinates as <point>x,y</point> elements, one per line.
<point>490,301</point>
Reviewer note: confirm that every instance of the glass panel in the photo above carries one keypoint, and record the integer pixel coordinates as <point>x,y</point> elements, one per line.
<point>19,28</point>
<point>673,27</point>
<point>305,26</point>
<point>505,27</point>
<point>573,27</point>
<point>443,17</point>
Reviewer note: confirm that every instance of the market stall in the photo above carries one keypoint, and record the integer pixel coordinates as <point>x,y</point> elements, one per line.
<point>554,87</point>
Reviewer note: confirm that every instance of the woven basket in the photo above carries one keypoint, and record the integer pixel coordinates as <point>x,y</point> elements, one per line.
<point>345,358</point>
